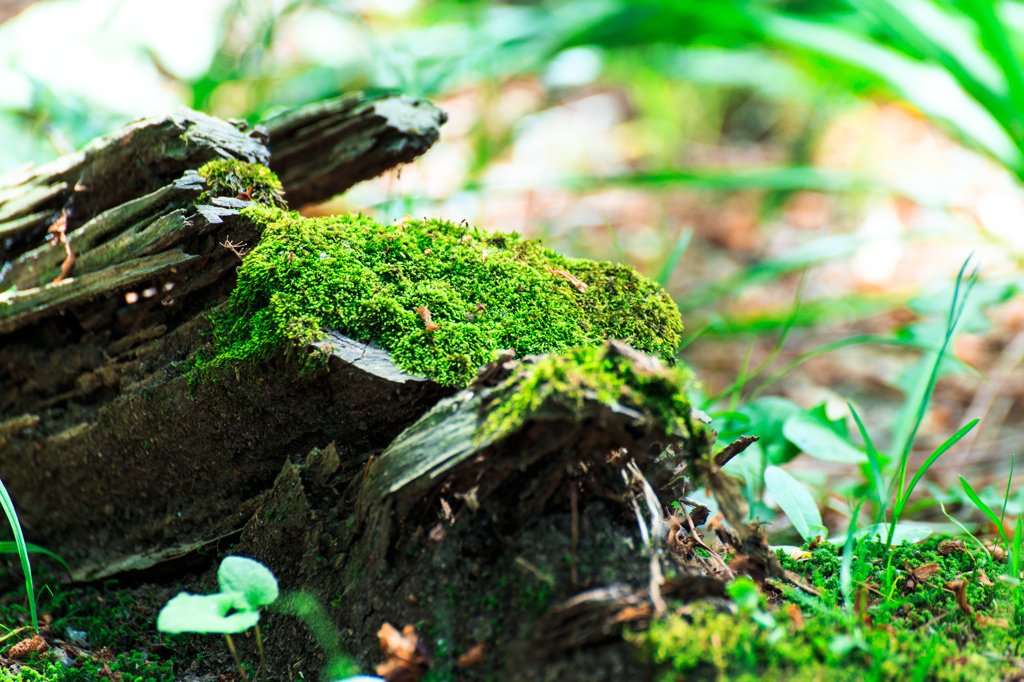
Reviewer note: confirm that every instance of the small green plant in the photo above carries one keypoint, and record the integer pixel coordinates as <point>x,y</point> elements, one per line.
<point>895,486</point>
<point>798,504</point>
<point>1013,548</point>
<point>247,585</point>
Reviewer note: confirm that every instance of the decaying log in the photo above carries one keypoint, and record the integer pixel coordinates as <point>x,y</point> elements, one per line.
<point>523,539</point>
<point>321,150</point>
<point>500,516</point>
<point>93,357</point>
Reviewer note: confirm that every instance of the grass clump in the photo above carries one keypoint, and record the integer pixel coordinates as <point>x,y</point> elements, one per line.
<point>440,297</point>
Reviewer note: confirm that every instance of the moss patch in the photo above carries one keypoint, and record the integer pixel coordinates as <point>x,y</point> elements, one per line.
<point>233,178</point>
<point>440,297</point>
<point>601,373</point>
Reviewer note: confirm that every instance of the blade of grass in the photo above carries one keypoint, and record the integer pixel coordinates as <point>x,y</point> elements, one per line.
<point>846,566</point>
<point>619,252</point>
<point>997,44</point>
<point>836,345</point>
<point>984,509</point>
<point>19,539</point>
<point>961,292</point>
<point>777,179</point>
<point>928,30</point>
<point>941,450</point>
<point>744,378</point>
<point>11,547</point>
<point>874,467</point>
<point>981,545</point>
<point>682,243</point>
<point>932,89</point>
<point>1006,497</point>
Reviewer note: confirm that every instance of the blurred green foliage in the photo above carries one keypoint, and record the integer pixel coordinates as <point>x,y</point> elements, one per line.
<point>695,69</point>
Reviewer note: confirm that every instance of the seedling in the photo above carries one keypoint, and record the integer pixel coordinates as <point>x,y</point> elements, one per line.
<point>245,585</point>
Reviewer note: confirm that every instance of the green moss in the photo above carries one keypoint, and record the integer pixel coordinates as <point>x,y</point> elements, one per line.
<point>589,373</point>
<point>231,178</point>
<point>483,292</point>
<point>710,645</point>
<point>828,644</point>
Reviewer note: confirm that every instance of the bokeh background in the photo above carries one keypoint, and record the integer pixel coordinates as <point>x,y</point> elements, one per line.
<point>806,178</point>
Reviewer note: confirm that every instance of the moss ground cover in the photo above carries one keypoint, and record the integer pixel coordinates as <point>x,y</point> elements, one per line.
<point>901,629</point>
<point>439,296</point>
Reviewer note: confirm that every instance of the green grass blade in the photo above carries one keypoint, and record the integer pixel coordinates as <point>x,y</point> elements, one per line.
<point>846,566</point>
<point>11,547</point>
<point>997,44</point>
<point>744,377</point>
<point>620,253</point>
<point>941,450</point>
<point>789,178</point>
<point>981,545</point>
<point>984,509</point>
<point>878,488</point>
<point>926,29</point>
<point>1006,497</point>
<point>19,538</point>
<point>836,345</point>
<point>1015,547</point>
<point>682,243</point>
<point>961,292</point>
<point>931,88</point>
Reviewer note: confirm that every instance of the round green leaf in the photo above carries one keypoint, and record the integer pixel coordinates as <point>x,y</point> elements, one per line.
<point>250,577</point>
<point>205,613</point>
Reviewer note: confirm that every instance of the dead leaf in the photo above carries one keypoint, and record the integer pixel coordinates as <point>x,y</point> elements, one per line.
<point>405,657</point>
<point>919,575</point>
<point>424,312</point>
<point>473,656</point>
<point>981,620</point>
<point>796,616</point>
<point>947,547</point>
<point>58,234</point>
<point>959,588</point>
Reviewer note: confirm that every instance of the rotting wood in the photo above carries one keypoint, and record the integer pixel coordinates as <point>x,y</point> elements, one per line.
<point>457,531</point>
<point>93,368</point>
<point>321,150</point>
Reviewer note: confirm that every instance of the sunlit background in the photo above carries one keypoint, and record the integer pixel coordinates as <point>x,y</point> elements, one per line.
<point>849,155</point>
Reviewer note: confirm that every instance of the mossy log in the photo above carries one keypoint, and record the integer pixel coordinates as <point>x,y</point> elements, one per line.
<point>105,446</point>
<point>140,425</point>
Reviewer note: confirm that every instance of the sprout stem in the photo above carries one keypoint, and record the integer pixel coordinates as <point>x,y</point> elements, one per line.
<point>238,663</point>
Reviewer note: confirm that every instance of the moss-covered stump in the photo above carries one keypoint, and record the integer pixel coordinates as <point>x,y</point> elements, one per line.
<point>516,533</point>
